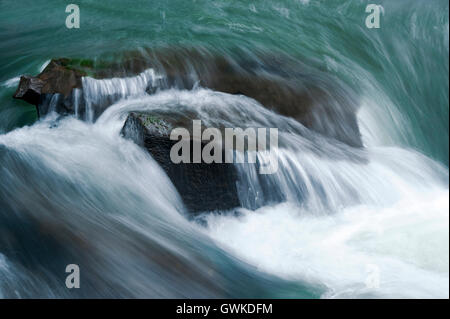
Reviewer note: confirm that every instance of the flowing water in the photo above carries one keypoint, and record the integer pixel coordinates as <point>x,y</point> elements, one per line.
<point>334,221</point>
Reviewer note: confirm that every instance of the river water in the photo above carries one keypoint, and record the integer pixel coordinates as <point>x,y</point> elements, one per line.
<point>75,191</point>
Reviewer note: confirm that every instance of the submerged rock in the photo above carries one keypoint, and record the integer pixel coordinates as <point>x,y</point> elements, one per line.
<point>202,187</point>
<point>85,88</point>
<point>281,84</point>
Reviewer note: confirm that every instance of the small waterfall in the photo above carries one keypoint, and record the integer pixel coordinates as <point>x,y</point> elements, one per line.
<point>98,94</point>
<point>77,96</point>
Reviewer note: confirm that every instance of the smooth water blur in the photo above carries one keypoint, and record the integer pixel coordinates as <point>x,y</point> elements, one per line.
<point>334,221</point>
<point>400,71</point>
<point>74,192</point>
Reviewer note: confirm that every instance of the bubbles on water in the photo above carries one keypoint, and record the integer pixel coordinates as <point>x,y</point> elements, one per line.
<point>406,241</point>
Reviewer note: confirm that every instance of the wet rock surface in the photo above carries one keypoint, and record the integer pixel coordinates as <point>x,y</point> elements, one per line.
<point>278,83</point>
<point>85,88</point>
<point>53,89</point>
<point>202,187</point>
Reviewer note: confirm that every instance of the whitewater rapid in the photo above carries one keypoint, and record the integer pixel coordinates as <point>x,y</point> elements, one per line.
<point>373,227</point>
<point>397,236</point>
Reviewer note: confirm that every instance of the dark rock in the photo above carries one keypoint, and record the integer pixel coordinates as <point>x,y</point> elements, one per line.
<point>280,83</point>
<point>202,187</point>
<point>52,89</point>
<point>29,89</point>
<point>60,77</point>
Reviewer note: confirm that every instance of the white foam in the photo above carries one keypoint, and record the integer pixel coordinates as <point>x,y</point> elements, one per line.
<point>44,65</point>
<point>405,245</point>
<point>11,82</point>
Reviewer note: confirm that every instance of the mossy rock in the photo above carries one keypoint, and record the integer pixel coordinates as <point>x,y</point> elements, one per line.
<point>154,124</point>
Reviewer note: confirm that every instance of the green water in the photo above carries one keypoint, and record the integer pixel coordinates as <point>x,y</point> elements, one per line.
<point>401,67</point>
<point>95,188</point>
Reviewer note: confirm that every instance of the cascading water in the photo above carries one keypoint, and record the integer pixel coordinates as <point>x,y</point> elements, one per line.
<point>335,221</point>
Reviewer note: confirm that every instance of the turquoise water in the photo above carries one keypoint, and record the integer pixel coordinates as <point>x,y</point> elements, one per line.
<point>397,74</point>
<point>401,67</point>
